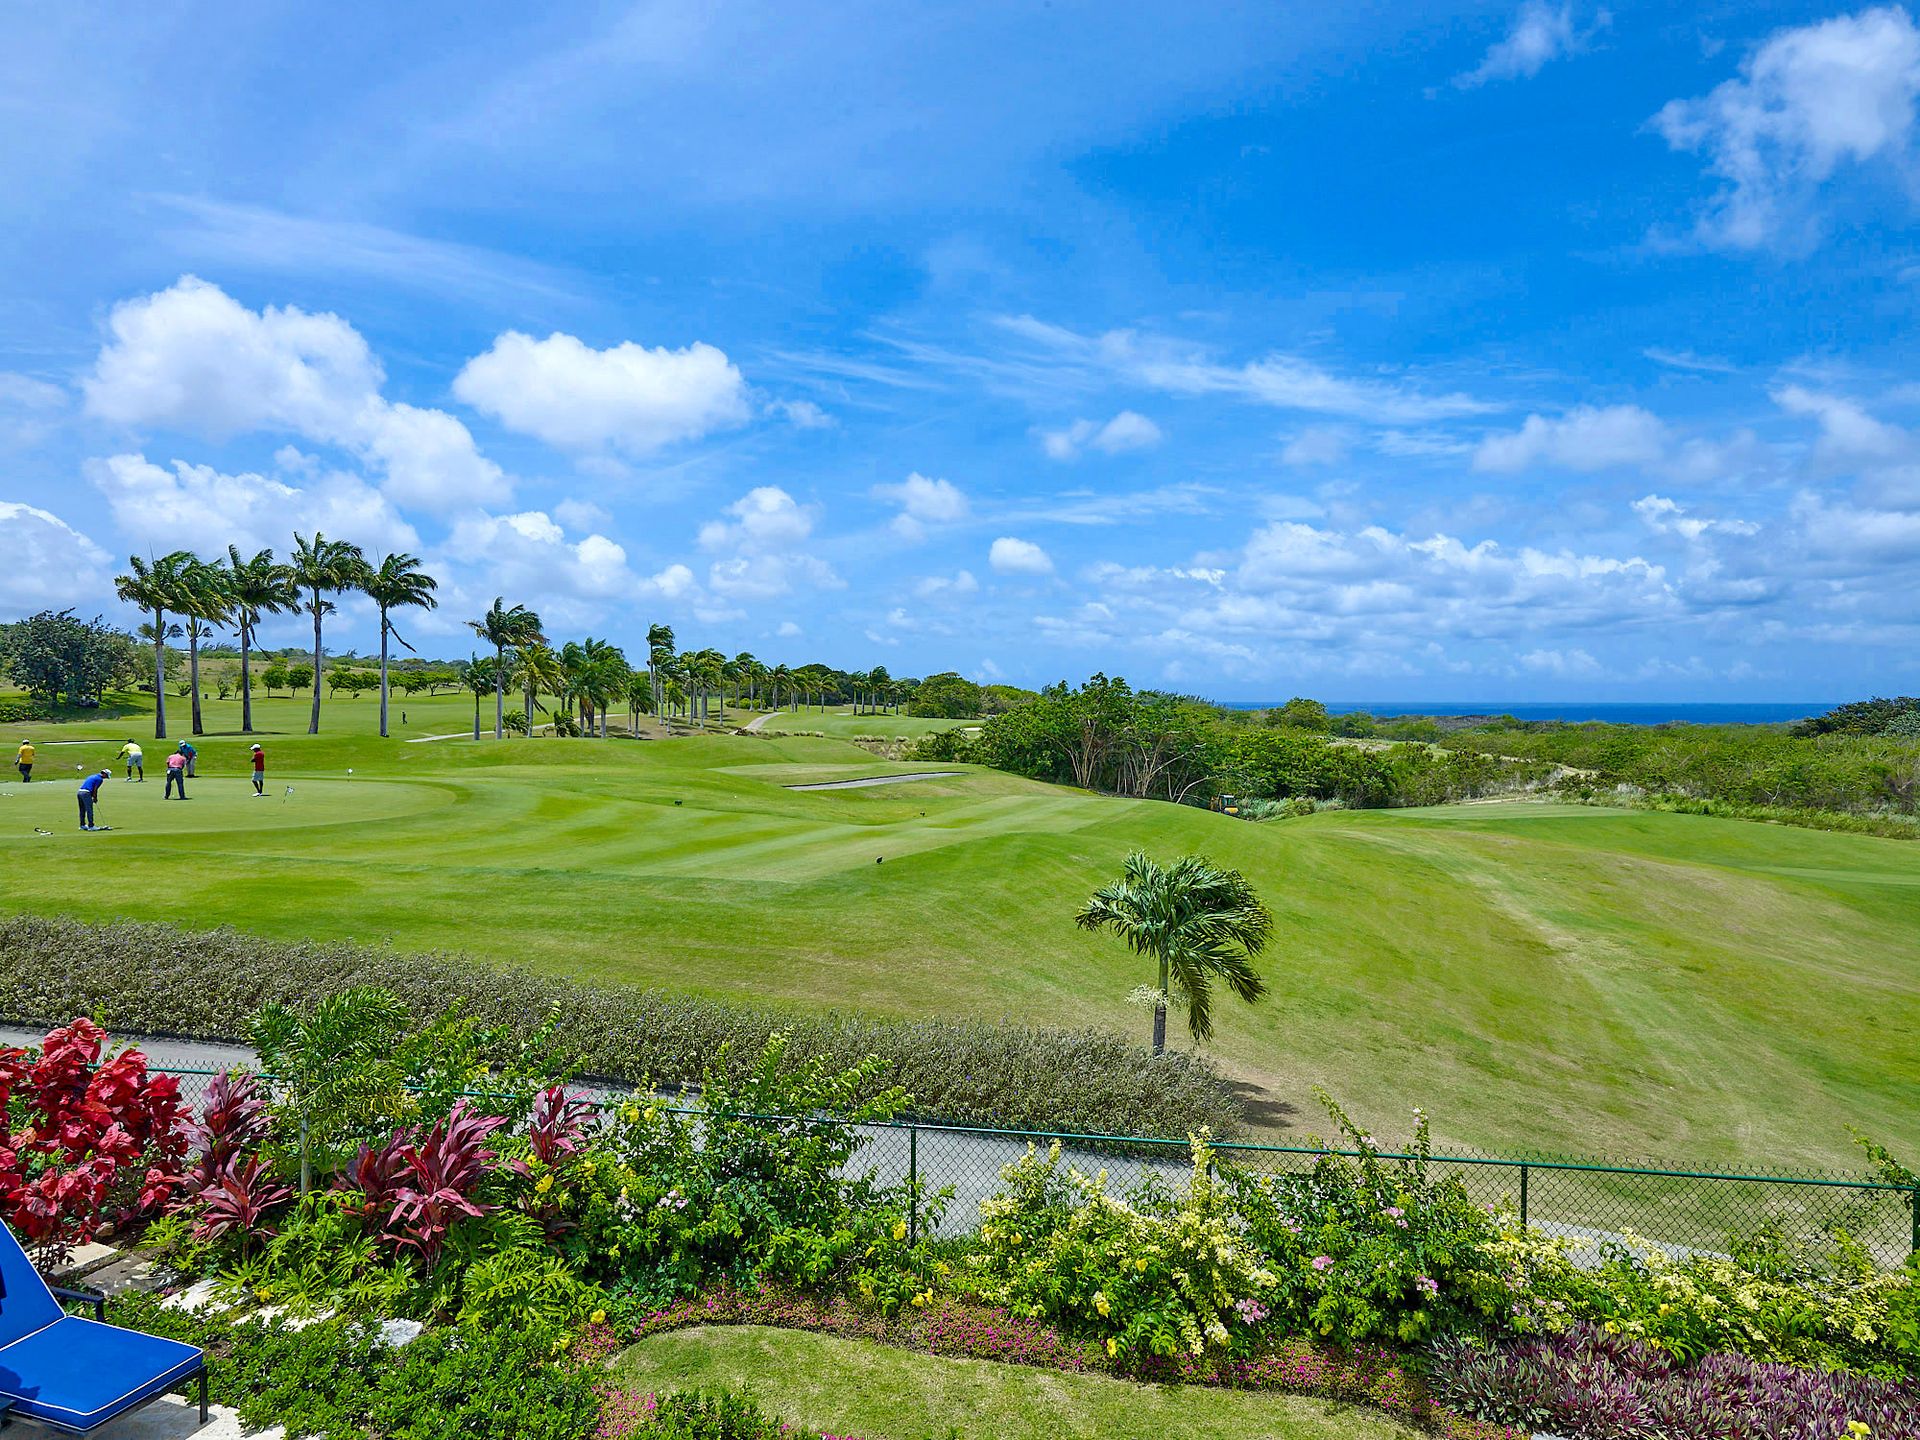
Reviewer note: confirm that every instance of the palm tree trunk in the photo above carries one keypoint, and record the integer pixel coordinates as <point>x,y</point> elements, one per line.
<point>383,674</point>
<point>246,682</point>
<point>499,691</point>
<point>313,724</point>
<point>476,714</point>
<point>159,675</point>
<point>1160,1012</point>
<point>193,673</point>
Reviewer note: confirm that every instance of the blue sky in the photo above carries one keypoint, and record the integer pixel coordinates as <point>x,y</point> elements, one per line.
<point>1442,351</point>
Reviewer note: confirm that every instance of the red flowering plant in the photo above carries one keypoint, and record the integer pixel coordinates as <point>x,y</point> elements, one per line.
<point>86,1143</point>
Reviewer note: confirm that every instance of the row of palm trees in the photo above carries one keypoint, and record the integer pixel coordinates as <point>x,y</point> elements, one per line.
<point>238,592</point>
<point>188,597</point>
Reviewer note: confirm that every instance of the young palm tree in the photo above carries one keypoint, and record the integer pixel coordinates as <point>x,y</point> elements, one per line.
<point>257,588</point>
<point>204,602</point>
<point>154,586</point>
<point>321,567</point>
<point>1198,921</point>
<point>398,582</point>
<point>502,627</point>
<point>477,676</point>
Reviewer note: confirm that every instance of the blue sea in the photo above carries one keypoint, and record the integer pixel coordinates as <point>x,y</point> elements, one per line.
<point>1632,712</point>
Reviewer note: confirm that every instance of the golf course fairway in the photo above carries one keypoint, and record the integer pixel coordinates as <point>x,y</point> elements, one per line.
<point>1553,978</point>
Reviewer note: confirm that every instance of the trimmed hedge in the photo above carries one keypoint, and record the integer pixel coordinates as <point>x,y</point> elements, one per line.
<point>207,984</point>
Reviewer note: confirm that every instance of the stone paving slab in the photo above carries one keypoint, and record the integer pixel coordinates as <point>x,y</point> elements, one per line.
<point>172,1418</point>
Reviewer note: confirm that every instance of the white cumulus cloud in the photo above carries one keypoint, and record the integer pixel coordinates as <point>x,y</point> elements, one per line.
<point>1012,556</point>
<point>923,501</point>
<point>1129,430</point>
<point>628,397</point>
<point>196,507</point>
<point>50,565</point>
<point>1810,100</point>
<point>191,357</point>
<point>1585,439</point>
<point>1540,33</point>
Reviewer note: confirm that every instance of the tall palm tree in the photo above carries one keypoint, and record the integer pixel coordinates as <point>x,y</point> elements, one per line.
<point>323,567</point>
<point>605,678</point>
<point>777,678</point>
<point>203,603</point>
<point>398,582</point>
<point>537,671</point>
<point>154,586</point>
<point>659,651</point>
<point>1198,921</point>
<point>745,669</point>
<point>257,588</point>
<point>502,627</point>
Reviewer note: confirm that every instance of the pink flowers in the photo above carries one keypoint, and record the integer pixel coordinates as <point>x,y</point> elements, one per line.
<point>1322,1262</point>
<point>1427,1285</point>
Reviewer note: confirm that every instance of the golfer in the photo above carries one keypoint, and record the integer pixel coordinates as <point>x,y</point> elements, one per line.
<point>136,761</point>
<point>259,771</point>
<point>176,776</point>
<point>89,792</point>
<point>23,761</point>
<point>192,755</point>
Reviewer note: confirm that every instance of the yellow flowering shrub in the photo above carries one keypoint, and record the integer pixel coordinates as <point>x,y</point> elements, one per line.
<point>1055,1246</point>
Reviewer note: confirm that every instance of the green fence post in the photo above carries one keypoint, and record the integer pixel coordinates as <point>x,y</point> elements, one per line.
<point>1523,1196</point>
<point>913,1184</point>
<point>1916,1220</point>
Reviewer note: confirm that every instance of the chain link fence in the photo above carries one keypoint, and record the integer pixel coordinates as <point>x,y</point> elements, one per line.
<point>952,1168</point>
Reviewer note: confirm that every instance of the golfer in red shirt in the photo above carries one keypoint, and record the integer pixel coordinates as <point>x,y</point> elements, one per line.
<point>259,771</point>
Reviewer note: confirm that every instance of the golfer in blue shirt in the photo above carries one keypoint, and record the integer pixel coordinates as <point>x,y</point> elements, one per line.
<point>89,792</point>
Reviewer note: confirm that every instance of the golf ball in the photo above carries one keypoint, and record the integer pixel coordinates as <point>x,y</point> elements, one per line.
<point>349,770</point>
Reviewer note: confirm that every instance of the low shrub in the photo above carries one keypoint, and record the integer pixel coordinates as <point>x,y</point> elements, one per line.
<point>694,1415</point>
<point>1371,1249</point>
<point>1586,1384</point>
<point>1835,1311</point>
<point>84,1142</point>
<point>158,979</point>
<point>338,1380</point>
<point>1150,1278</point>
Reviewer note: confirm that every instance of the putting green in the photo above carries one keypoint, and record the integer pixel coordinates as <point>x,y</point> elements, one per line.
<point>213,806</point>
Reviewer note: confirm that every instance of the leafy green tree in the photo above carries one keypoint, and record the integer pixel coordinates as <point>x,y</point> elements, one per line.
<point>257,588</point>
<point>1198,922</point>
<point>55,651</point>
<point>946,696</point>
<point>274,677</point>
<point>320,568</point>
<point>396,583</point>
<point>155,586</point>
<point>1301,713</point>
<point>299,676</point>
<point>504,628</point>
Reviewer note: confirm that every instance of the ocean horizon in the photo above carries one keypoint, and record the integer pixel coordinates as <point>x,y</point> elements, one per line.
<point>1614,712</point>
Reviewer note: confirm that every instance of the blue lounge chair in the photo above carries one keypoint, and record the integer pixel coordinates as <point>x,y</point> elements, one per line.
<point>73,1374</point>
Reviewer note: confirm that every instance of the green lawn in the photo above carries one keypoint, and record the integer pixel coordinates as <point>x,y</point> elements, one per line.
<point>1555,978</point>
<point>852,1387</point>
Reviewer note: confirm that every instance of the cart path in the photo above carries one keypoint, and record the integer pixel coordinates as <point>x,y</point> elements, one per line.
<point>878,780</point>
